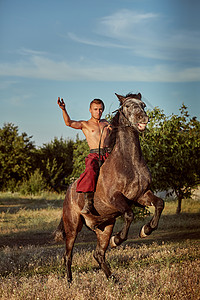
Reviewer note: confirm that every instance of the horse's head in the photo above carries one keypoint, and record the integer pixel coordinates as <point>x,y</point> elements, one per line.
<point>132,111</point>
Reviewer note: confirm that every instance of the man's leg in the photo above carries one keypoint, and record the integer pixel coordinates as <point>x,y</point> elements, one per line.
<point>87,182</point>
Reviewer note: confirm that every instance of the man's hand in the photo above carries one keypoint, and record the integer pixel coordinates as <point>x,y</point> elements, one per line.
<point>61,103</point>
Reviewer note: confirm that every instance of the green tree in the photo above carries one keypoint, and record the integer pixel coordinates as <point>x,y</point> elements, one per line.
<point>16,152</point>
<point>55,160</point>
<point>171,148</point>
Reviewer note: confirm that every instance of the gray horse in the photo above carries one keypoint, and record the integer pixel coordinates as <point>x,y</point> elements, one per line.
<point>124,180</point>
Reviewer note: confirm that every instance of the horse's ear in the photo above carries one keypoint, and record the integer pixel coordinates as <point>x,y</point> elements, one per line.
<point>139,96</point>
<point>121,98</point>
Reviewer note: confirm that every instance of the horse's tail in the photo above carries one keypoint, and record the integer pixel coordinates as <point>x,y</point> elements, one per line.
<point>59,233</point>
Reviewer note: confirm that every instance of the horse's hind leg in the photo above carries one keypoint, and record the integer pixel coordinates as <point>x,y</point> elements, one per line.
<point>71,230</point>
<point>103,238</point>
<point>150,199</point>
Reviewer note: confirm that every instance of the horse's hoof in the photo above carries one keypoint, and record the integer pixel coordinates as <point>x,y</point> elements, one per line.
<point>142,234</point>
<point>112,242</point>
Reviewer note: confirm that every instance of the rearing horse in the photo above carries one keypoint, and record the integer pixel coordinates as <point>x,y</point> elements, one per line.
<point>124,180</point>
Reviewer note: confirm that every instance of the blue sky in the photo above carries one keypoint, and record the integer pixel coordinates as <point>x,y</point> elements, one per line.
<point>81,50</point>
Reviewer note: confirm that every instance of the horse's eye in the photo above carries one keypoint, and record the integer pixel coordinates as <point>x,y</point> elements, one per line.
<point>144,105</point>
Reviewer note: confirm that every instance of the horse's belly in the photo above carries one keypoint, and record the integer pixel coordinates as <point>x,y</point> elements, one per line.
<point>132,181</point>
<point>137,187</point>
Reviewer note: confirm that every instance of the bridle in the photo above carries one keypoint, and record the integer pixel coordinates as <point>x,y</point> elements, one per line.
<point>120,110</point>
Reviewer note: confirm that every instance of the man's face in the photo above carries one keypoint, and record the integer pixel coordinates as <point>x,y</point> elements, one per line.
<point>96,111</point>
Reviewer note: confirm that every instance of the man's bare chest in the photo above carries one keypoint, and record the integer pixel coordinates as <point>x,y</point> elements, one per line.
<point>95,129</point>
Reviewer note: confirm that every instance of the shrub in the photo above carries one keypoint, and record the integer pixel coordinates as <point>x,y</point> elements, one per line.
<point>34,185</point>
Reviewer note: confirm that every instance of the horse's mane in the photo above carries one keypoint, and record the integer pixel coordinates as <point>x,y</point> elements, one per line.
<point>136,96</point>
<point>115,124</point>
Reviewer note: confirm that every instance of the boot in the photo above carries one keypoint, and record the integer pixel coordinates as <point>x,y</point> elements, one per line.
<point>88,206</point>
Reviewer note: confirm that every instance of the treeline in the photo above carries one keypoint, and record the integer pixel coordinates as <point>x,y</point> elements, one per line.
<point>29,170</point>
<point>170,144</point>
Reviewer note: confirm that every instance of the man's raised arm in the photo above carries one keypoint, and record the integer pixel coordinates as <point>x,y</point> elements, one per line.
<point>66,117</point>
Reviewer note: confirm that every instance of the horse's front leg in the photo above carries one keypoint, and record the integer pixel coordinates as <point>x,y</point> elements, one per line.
<point>121,203</point>
<point>149,199</point>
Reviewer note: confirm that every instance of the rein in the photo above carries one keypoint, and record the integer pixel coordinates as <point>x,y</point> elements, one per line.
<point>100,162</point>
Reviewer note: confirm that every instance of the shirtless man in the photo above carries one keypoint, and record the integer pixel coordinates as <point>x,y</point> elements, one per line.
<point>95,129</point>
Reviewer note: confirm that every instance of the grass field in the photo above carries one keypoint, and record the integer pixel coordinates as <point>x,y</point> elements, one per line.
<point>166,265</point>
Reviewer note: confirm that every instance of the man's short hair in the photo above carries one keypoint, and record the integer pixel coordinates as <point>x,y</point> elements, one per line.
<point>97,101</point>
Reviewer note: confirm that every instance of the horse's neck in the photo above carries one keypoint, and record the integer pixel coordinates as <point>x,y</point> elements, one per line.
<point>129,144</point>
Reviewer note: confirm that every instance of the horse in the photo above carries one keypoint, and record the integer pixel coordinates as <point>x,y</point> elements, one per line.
<point>124,180</point>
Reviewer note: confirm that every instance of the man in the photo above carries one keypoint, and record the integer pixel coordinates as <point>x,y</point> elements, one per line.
<point>96,131</point>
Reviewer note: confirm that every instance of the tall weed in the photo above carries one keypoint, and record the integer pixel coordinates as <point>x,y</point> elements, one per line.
<point>34,185</point>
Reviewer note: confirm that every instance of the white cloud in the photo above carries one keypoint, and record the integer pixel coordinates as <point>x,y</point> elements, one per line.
<point>144,36</point>
<point>25,51</point>
<point>123,22</point>
<point>99,43</point>
<point>44,68</point>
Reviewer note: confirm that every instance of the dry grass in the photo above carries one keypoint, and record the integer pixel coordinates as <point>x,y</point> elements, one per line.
<point>28,220</point>
<point>157,268</point>
<point>167,271</point>
<point>21,214</point>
